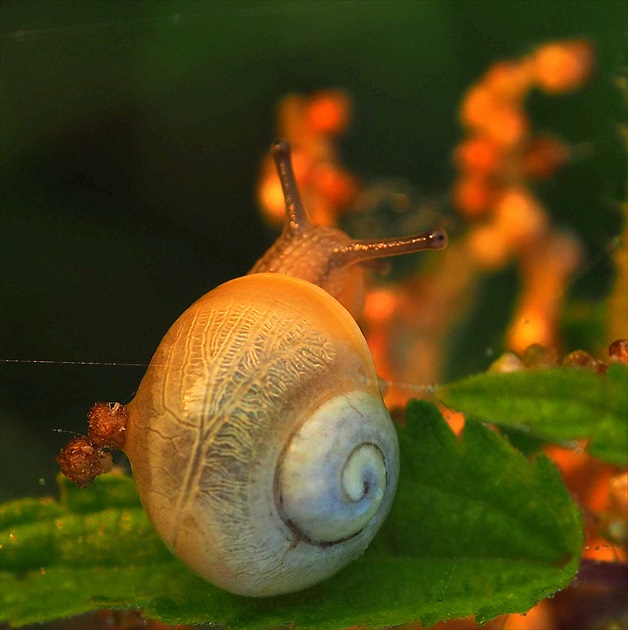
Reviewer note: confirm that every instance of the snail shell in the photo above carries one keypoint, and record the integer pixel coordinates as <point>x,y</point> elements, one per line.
<point>260,445</point>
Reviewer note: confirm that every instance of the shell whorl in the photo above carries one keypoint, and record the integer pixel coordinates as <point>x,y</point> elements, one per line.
<point>333,475</point>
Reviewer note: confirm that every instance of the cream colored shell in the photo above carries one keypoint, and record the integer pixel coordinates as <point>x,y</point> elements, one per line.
<point>261,448</point>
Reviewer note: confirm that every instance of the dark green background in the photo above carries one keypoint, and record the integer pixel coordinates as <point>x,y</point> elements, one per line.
<point>131,134</point>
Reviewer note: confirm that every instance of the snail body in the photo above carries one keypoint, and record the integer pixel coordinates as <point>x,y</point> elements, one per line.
<point>261,447</point>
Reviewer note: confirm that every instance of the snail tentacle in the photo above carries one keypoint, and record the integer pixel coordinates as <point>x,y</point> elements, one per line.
<point>358,251</point>
<point>298,218</point>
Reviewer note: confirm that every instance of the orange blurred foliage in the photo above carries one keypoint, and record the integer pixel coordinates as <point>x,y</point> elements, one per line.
<point>562,66</point>
<point>497,163</point>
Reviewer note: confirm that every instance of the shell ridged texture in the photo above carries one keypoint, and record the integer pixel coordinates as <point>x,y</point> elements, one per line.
<point>233,379</point>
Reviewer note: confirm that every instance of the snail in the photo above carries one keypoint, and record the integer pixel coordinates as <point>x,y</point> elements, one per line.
<point>261,448</point>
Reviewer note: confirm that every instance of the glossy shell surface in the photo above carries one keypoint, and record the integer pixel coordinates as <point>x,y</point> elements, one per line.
<point>261,448</point>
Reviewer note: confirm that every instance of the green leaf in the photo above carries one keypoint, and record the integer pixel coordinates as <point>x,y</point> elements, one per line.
<point>476,529</point>
<point>558,404</point>
<point>528,443</point>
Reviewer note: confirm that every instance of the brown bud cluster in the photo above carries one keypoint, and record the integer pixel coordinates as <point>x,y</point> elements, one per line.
<point>86,457</point>
<point>536,356</point>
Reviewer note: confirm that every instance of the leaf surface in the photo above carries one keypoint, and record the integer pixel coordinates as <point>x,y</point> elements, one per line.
<point>476,529</point>
<point>559,404</point>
